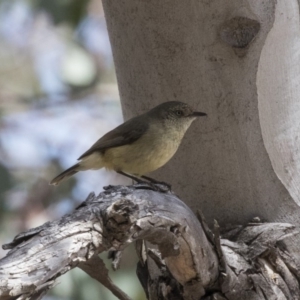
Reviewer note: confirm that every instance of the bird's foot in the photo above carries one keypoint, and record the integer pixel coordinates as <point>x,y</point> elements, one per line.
<point>135,178</point>
<point>152,183</point>
<point>153,186</point>
<point>152,180</point>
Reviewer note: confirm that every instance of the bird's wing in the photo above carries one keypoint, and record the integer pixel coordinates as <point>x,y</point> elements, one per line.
<point>126,133</point>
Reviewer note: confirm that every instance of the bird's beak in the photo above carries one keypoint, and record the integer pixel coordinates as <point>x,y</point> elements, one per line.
<point>198,114</point>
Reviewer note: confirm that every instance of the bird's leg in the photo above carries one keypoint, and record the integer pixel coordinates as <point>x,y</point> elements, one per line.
<point>150,182</point>
<point>137,179</point>
<point>157,182</point>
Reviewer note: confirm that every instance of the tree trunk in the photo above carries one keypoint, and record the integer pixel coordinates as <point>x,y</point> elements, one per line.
<point>238,62</point>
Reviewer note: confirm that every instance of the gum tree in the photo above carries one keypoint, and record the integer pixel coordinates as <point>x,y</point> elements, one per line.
<point>238,62</point>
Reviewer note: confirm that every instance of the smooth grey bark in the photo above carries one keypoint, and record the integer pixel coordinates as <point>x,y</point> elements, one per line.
<point>191,51</point>
<point>248,262</point>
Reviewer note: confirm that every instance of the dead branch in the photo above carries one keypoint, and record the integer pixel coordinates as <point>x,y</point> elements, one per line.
<point>109,222</point>
<point>180,258</point>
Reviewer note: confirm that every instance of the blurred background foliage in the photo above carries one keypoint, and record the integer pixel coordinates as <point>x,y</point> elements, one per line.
<point>58,95</point>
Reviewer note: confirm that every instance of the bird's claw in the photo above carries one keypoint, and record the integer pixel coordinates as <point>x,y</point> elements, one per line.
<point>156,182</point>
<point>159,186</point>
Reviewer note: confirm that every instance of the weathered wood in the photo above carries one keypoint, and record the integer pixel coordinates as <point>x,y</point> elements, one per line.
<point>109,222</point>
<point>254,263</point>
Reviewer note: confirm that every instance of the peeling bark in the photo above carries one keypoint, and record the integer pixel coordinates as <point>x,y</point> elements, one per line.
<point>250,262</point>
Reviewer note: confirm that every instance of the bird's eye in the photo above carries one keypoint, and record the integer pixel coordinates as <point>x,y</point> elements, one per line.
<point>179,112</point>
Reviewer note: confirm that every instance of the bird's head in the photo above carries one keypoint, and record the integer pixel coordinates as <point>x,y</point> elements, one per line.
<point>177,113</point>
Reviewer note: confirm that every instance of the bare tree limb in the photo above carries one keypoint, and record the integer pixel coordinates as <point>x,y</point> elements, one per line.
<point>109,222</point>
<point>252,262</point>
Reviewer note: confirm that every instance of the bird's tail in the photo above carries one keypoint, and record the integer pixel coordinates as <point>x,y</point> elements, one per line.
<point>65,174</point>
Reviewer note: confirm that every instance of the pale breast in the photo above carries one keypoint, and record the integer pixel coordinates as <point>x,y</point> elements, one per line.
<point>145,155</point>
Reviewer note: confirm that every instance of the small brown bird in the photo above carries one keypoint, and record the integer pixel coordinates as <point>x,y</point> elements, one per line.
<point>139,145</point>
